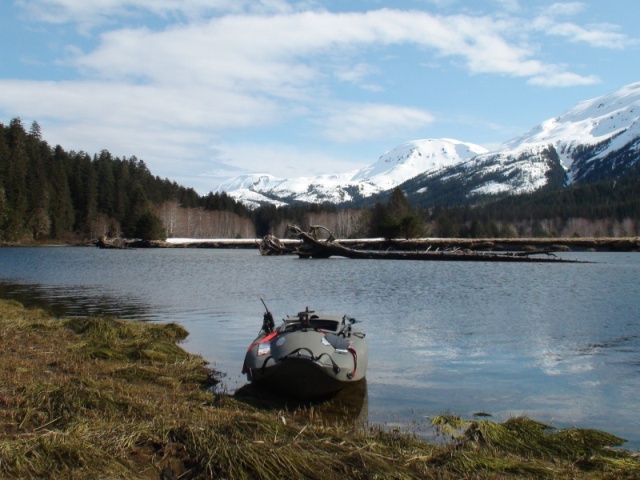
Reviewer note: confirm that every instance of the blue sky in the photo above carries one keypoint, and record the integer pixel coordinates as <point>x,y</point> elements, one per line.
<point>203,90</point>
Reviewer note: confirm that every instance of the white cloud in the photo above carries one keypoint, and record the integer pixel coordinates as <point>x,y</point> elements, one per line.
<point>256,53</point>
<point>565,8</point>
<point>194,71</point>
<point>279,159</point>
<point>371,121</point>
<point>601,35</point>
<point>357,73</point>
<point>509,5</point>
<point>562,79</point>
<point>97,12</point>
<point>136,106</point>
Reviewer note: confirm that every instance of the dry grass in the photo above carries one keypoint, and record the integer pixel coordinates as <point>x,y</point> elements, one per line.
<point>104,398</point>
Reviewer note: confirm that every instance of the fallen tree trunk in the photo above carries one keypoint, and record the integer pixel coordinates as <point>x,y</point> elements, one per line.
<point>313,247</point>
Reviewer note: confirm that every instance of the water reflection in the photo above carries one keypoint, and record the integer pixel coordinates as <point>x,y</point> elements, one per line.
<point>76,301</point>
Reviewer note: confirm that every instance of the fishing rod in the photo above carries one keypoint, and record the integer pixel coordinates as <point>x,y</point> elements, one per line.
<point>268,324</point>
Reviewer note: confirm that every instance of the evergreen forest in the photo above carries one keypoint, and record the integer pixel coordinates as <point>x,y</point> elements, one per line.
<point>50,194</point>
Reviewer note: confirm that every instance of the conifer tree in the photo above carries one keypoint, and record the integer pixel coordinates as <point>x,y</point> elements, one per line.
<point>4,211</point>
<point>83,190</point>
<point>397,218</point>
<point>105,180</point>
<point>16,181</point>
<point>149,227</point>
<point>61,206</point>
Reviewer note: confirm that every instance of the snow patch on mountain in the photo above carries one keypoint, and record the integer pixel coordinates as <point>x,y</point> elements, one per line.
<point>603,125</point>
<point>252,181</point>
<point>392,169</point>
<point>588,123</point>
<point>412,158</point>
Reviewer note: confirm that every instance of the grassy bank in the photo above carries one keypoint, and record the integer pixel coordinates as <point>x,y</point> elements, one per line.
<point>104,398</point>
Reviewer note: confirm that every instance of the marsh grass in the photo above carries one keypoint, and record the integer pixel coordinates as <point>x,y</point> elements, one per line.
<point>104,398</point>
<point>527,446</point>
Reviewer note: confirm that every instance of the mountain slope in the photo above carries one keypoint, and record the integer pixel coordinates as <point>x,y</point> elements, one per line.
<point>595,140</point>
<point>392,168</point>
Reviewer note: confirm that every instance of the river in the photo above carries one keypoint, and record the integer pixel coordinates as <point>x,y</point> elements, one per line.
<point>559,343</point>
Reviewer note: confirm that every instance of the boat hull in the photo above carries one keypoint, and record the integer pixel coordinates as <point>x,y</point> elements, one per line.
<point>298,378</point>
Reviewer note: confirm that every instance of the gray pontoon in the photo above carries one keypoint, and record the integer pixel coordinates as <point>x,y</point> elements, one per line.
<point>309,355</point>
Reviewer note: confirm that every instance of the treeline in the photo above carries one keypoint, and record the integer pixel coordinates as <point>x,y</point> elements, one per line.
<point>50,193</point>
<point>610,199</point>
<point>606,208</point>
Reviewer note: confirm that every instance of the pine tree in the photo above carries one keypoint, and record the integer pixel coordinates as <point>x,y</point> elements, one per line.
<point>397,218</point>
<point>38,183</point>
<point>149,227</point>
<point>61,206</point>
<point>4,210</point>
<point>377,218</point>
<point>106,183</point>
<point>83,190</point>
<point>16,181</point>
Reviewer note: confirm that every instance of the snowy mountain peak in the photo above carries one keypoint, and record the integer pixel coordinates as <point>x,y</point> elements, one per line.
<point>595,139</point>
<point>588,123</point>
<point>436,153</point>
<point>412,158</point>
<point>392,169</point>
<point>252,181</point>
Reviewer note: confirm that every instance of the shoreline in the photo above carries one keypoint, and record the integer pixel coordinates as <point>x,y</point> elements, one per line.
<point>596,244</point>
<point>559,244</point>
<point>99,396</point>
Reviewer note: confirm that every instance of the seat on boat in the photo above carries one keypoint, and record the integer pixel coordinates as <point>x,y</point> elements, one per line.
<point>323,324</point>
<point>314,321</point>
<point>337,341</point>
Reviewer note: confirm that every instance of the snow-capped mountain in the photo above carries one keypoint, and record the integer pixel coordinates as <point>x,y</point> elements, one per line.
<point>392,169</point>
<point>596,139</point>
<point>419,156</point>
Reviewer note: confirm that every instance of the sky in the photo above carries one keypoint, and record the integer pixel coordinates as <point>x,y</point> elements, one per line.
<point>204,90</point>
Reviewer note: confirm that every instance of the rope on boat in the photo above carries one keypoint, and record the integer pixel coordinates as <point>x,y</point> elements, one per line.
<point>336,368</point>
<point>355,363</point>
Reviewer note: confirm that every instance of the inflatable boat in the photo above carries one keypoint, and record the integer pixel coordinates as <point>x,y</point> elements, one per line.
<point>309,355</point>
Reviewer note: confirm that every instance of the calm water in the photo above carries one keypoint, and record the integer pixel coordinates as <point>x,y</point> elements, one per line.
<point>557,342</point>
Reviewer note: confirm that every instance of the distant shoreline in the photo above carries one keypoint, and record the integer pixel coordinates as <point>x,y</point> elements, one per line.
<point>593,244</point>
<point>600,244</point>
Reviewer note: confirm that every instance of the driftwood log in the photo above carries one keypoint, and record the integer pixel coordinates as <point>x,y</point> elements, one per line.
<point>106,242</point>
<point>312,246</point>
<point>272,245</point>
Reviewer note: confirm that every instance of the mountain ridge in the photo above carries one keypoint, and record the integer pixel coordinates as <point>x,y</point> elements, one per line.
<point>593,140</point>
